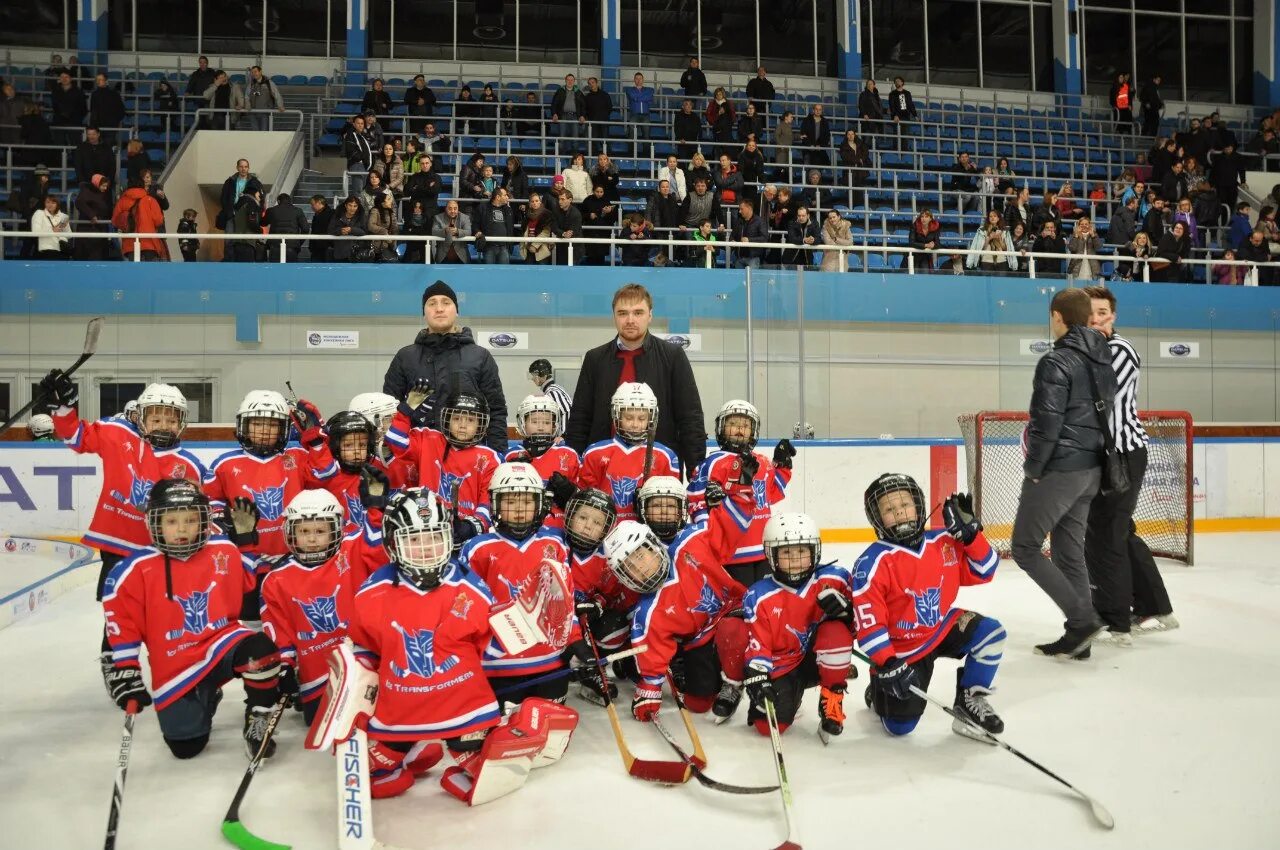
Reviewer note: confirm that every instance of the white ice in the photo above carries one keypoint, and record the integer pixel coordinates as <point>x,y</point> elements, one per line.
<point>1178,736</point>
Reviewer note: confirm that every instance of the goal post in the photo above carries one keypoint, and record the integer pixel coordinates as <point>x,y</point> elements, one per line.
<point>994,453</point>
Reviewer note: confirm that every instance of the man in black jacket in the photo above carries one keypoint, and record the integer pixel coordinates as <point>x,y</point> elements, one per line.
<point>285,219</point>
<point>69,109</point>
<point>1152,103</point>
<point>106,107</point>
<point>599,108</point>
<point>636,355</point>
<point>420,101</point>
<point>446,355</point>
<point>232,188</point>
<point>1065,446</point>
<point>686,129</point>
<point>568,105</point>
<point>693,81</point>
<point>93,156</point>
<point>760,90</point>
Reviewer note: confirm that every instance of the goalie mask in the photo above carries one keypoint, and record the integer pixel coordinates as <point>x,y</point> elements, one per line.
<point>161,415</point>
<point>352,440</point>
<point>178,517</point>
<point>464,419</point>
<point>538,423</point>
<point>313,527</point>
<point>587,519</point>
<point>737,426</point>
<point>634,408</point>
<point>262,423</point>
<point>518,499</point>
<point>792,547</point>
<point>663,505</point>
<point>637,557</point>
<point>899,498</point>
<point>378,408</point>
<point>418,535</point>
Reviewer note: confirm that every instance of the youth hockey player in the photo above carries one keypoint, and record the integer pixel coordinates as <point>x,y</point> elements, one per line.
<point>41,428</point>
<point>617,465</point>
<point>351,443</point>
<point>750,482</point>
<point>903,587</point>
<point>181,598</point>
<point>602,603</point>
<point>380,408</point>
<point>798,627</point>
<point>539,423</point>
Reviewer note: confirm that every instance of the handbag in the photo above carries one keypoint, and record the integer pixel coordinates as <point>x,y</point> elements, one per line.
<point>1115,472</point>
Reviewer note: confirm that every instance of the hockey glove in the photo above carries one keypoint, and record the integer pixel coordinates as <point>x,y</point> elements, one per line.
<point>581,651</point>
<point>58,390</point>
<point>783,453</point>
<point>417,395</point>
<point>750,466</point>
<point>125,684</point>
<point>374,487</point>
<point>897,678</point>
<point>758,686</point>
<point>714,494</point>
<point>561,489</point>
<point>588,610</point>
<point>647,701</point>
<point>834,604</point>
<point>308,421</point>
<point>957,513</point>
<point>241,522</point>
<point>464,528</point>
<point>287,683</point>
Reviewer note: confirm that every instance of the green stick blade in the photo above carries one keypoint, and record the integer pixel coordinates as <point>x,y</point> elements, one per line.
<point>236,833</point>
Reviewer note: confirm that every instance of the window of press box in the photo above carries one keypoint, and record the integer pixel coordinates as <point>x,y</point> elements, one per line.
<point>49,24</point>
<point>114,395</point>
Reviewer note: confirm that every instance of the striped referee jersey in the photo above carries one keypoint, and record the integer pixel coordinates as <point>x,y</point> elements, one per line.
<point>561,398</point>
<point>1125,424</point>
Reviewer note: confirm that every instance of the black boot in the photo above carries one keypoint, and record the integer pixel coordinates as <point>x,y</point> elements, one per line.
<point>726,702</point>
<point>971,705</point>
<point>1073,641</point>
<point>831,709</point>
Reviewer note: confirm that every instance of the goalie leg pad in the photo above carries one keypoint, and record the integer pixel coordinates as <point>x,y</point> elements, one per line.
<point>558,720</point>
<point>349,699</point>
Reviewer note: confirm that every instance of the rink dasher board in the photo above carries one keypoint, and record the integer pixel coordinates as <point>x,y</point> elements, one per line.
<point>67,560</point>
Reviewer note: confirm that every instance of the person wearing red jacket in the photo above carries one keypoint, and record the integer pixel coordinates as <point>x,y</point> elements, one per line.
<point>349,446</point>
<point>540,422</point>
<point>904,585</point>
<point>138,211</point>
<point>181,599</point>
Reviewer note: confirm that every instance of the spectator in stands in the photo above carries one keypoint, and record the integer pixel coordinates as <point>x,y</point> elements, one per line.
<point>1193,169</point>
<point>226,97</point>
<point>246,219</point>
<point>382,221</point>
<point>576,179</point>
<point>432,141</point>
<point>164,99</point>
<point>516,182</point>
<point>699,204</point>
<point>815,136</point>
<point>988,188</point>
<point>599,109</point>
<point>1152,105</point>
<point>1021,241</point>
<point>416,222</point>
<point>750,125</point>
<point>136,159</point>
<point>705,255</point>
<point>349,221</point>
<point>1122,102</point>
<point>1066,202</point>
<point>748,227</point>
<point>54,227</point>
<point>496,218</point>
<point>261,97</point>
<point>1139,249</point>
<point>232,188</point>
<point>373,186</point>
<point>94,204</point>
<point>1195,142</point>
<point>1084,240</point>
<point>526,117</point>
<point>751,167</point>
<point>1124,223</point>
<point>1227,174</point>
<point>156,191</point>
<point>106,107</point>
<point>1175,246</point>
<point>425,187</point>
<point>137,211</point>
<point>1141,168</point>
<point>599,218</point>
<point>412,157</point>
<point>450,225</point>
<point>320,250</point>
<point>721,118</point>
<point>285,219</point>
<point>538,225</point>
<point>11,107</point>
<point>1046,211</point>
<point>1264,145</point>
<point>686,129</point>
<point>373,131</point>
<point>93,156</point>
<point>1255,250</point>
<point>188,228</point>
<point>470,182</point>
<point>855,156</point>
<point>1267,224</point>
<point>1166,153</point>
<point>568,104</point>
<point>355,145</point>
<point>693,81</point>
<point>639,104</point>
<point>466,112</point>
<point>33,133</point>
<point>1154,220</point>
<point>638,232</point>
<point>803,231</point>
<point>1222,135</point>
<point>675,174</point>
<point>390,169</point>
<point>1241,227</point>
<point>728,182</point>
<point>760,90</point>
<point>997,257</point>
<point>698,168</point>
<point>605,173</point>
<point>1005,176</point>
<point>902,107</point>
<point>1185,214</point>
<point>567,222</point>
<point>377,98</point>
<point>663,210</point>
<point>1175,184</point>
<point>836,233</point>
<point>1231,275</point>
<point>200,80</point>
<point>421,103</point>
<point>811,195</point>
<point>487,112</point>
<point>870,109</point>
<point>1049,241</point>
<point>924,238</point>
<point>56,68</point>
<point>25,201</point>
<point>964,180</point>
<point>1019,211</point>
<point>69,109</point>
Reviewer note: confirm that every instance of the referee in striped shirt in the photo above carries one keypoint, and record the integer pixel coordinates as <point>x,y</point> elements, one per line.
<point>543,377</point>
<point>1122,573</point>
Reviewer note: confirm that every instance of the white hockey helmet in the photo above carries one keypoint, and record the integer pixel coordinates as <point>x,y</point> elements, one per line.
<point>633,396</point>
<point>665,523</point>
<point>161,396</point>
<point>417,534</point>
<point>538,404</point>
<point>791,529</point>
<point>41,426</point>
<point>738,407</point>
<point>378,408</point>
<point>313,505</point>
<point>131,411</point>
<point>256,440</point>
<point>510,478</point>
<point>637,557</point>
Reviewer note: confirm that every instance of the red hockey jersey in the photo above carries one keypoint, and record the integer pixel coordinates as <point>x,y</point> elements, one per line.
<point>186,631</point>
<point>782,620</point>
<point>345,486</point>
<point>684,611</point>
<point>903,598</point>
<point>440,465</point>
<point>748,506</point>
<point>426,646</point>
<point>130,467</point>
<point>506,566</point>
<point>559,458</point>
<point>617,468</point>
<point>271,482</point>
<point>592,578</point>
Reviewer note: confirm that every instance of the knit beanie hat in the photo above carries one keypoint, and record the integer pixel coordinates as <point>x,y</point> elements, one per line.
<point>439,288</point>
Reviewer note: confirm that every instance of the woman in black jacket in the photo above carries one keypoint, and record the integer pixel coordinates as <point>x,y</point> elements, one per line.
<point>1175,246</point>
<point>854,154</point>
<point>516,182</point>
<point>488,112</point>
<point>350,221</point>
<point>94,204</point>
<point>925,233</point>
<point>870,108</point>
<point>751,123</point>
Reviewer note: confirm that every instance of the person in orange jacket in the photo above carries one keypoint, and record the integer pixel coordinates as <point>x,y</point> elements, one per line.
<point>137,211</point>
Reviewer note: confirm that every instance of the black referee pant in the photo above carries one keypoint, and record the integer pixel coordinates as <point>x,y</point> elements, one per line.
<point>1112,562</point>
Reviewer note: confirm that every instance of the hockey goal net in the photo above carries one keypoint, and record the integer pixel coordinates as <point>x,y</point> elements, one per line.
<point>994,454</point>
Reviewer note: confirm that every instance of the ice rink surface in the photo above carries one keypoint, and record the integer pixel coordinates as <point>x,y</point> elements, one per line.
<point>1177,736</point>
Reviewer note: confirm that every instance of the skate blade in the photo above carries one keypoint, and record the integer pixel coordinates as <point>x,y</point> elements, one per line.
<point>965,730</point>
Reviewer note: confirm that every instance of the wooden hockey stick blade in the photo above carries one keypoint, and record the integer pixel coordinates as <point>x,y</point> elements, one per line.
<point>665,772</point>
<point>699,755</point>
<point>700,775</point>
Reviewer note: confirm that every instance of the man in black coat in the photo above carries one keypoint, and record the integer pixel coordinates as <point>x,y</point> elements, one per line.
<point>1152,103</point>
<point>93,156</point>
<point>69,109</point>
<point>760,90</point>
<point>106,107</point>
<point>232,188</point>
<point>599,107</point>
<point>1066,446</point>
<point>285,219</point>
<point>446,355</point>
<point>636,355</point>
<point>693,81</point>
<point>686,129</point>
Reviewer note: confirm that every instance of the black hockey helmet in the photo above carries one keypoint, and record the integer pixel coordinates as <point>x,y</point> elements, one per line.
<point>417,535</point>
<point>464,402</point>
<point>170,495</point>
<point>583,541</point>
<point>541,368</point>
<point>349,422</point>
<point>907,533</point>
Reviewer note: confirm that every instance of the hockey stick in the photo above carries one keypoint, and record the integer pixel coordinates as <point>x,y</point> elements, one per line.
<point>649,434</point>
<point>232,828</point>
<point>1099,811</point>
<point>355,815</point>
<point>91,333</point>
<point>775,737</point>
<point>567,671</point>
<point>122,769</point>
<point>698,774</point>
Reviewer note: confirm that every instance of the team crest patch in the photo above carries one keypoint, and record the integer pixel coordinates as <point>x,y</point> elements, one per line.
<point>289,462</point>
<point>758,490</point>
<point>195,614</point>
<point>461,605</point>
<point>179,471</point>
<point>708,602</point>
<point>549,552</point>
<point>220,563</point>
<point>928,606</point>
<point>624,490</point>
<point>269,501</point>
<point>949,556</point>
<point>322,615</point>
<point>419,653</point>
<point>139,492</point>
